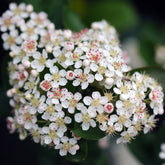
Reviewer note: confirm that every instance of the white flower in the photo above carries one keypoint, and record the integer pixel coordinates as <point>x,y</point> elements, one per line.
<point>40,19</point>
<point>95,102</point>
<point>11,39</point>
<point>72,101</point>
<point>39,61</point>
<point>31,84</point>
<point>69,46</point>
<point>67,145</point>
<point>85,119</point>
<point>56,77</point>
<point>67,34</point>
<point>83,78</point>
<point>25,118</point>
<point>149,123</point>
<point>94,55</point>
<point>19,78</point>
<point>29,46</point>
<point>57,95</point>
<point>11,124</point>
<point>18,11</point>
<point>36,100</point>
<point>45,85</point>
<point>123,89</point>
<point>6,22</point>
<point>29,31</point>
<point>50,135</point>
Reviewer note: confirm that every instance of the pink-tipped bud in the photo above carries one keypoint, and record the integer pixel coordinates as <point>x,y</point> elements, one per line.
<point>109,108</point>
<point>26,64</point>
<point>86,62</point>
<point>70,75</point>
<point>49,49</point>
<point>34,73</point>
<point>11,54</point>
<point>9,93</point>
<point>29,8</point>
<point>21,67</point>
<point>77,147</point>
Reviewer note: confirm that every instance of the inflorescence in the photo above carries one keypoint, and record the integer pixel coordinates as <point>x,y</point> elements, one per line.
<point>59,77</point>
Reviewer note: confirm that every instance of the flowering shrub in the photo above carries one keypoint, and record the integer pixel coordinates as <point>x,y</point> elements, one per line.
<point>67,86</point>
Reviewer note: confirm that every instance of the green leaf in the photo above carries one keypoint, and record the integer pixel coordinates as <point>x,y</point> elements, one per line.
<point>119,13</point>
<point>91,134</point>
<point>72,20</point>
<point>156,72</point>
<point>81,154</point>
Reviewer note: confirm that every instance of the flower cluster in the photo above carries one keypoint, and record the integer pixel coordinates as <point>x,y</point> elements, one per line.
<point>60,78</point>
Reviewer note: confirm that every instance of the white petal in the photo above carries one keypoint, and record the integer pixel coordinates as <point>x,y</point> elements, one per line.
<point>98,77</point>
<point>85,126</point>
<point>87,100</point>
<point>78,117</point>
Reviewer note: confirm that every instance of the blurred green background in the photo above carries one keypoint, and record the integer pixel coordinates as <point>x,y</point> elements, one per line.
<point>141,28</point>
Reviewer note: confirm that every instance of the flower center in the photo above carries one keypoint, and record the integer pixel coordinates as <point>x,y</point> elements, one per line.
<point>30,31</point>
<point>110,130</point>
<point>66,146</point>
<point>30,85</point>
<point>7,22</point>
<point>39,20</point>
<point>46,85</point>
<point>82,77</point>
<point>101,69</point>
<point>75,57</point>
<point>50,109</point>
<point>95,55</point>
<point>95,102</point>
<point>35,102</point>
<point>86,118</point>
<point>42,60</point>
<point>27,117</point>
<point>17,11</point>
<point>60,122</point>
<point>62,58</point>
<point>11,40</point>
<point>124,89</point>
<point>56,76</point>
<point>122,119</point>
<point>73,103</point>
<point>117,65</point>
<point>52,134</point>
<point>100,118</point>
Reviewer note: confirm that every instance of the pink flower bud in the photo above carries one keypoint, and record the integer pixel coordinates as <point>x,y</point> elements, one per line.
<point>109,107</point>
<point>70,75</point>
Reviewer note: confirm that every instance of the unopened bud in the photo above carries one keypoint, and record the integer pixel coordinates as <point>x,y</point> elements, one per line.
<point>29,8</point>
<point>109,81</point>
<point>20,67</point>
<point>28,96</point>
<point>86,62</point>
<point>26,64</point>
<point>9,93</point>
<point>34,73</point>
<point>49,49</point>
<point>11,54</point>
